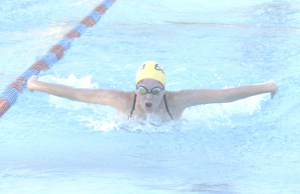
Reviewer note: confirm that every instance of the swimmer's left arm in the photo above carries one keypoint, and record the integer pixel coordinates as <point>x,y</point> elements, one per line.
<point>207,96</point>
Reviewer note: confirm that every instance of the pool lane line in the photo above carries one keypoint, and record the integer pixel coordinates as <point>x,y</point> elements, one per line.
<point>9,96</point>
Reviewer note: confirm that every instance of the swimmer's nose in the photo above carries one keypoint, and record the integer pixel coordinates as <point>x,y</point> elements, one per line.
<point>148,95</point>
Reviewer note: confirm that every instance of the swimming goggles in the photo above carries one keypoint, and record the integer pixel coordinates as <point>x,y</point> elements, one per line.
<point>143,90</point>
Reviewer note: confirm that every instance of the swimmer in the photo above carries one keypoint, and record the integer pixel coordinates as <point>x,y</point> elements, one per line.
<point>150,95</point>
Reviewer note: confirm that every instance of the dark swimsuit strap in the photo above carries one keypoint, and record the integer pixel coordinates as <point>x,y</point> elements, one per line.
<point>133,106</point>
<point>167,107</point>
<point>134,101</point>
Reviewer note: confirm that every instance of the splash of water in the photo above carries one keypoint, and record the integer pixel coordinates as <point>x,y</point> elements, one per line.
<point>113,122</point>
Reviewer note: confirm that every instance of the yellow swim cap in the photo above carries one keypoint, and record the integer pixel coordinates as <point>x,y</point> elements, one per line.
<point>151,70</point>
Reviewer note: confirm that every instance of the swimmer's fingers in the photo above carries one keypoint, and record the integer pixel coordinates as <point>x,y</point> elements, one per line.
<point>273,88</point>
<point>30,83</point>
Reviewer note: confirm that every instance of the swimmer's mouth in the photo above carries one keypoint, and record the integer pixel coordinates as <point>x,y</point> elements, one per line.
<point>148,105</point>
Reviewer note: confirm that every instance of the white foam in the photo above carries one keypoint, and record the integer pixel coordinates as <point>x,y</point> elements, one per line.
<point>111,121</point>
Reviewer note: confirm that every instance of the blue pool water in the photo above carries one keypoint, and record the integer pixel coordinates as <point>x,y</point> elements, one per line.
<point>53,145</point>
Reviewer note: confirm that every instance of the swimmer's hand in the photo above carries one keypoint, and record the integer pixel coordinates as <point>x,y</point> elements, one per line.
<point>32,82</point>
<point>273,88</point>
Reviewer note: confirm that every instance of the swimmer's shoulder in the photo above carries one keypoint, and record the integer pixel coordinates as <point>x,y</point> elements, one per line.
<point>182,99</point>
<point>129,95</point>
<point>174,101</point>
<point>126,100</point>
<point>174,96</point>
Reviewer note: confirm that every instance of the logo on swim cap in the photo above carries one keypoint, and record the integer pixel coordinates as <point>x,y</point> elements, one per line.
<point>151,70</point>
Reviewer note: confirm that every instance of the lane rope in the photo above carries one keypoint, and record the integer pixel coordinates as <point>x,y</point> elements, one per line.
<point>10,94</point>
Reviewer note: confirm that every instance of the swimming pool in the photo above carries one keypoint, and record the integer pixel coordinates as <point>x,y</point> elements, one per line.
<point>53,145</point>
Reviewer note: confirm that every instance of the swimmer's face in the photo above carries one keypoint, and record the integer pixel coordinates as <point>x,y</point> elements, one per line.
<point>150,102</point>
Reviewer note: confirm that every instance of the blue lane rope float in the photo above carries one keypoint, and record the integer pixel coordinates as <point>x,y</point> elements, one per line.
<point>10,94</point>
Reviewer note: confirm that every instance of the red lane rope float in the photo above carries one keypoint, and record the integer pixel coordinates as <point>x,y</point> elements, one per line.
<point>10,94</point>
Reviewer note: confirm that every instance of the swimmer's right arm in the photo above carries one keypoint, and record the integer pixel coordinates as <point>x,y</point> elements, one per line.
<point>114,98</point>
<point>55,89</point>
